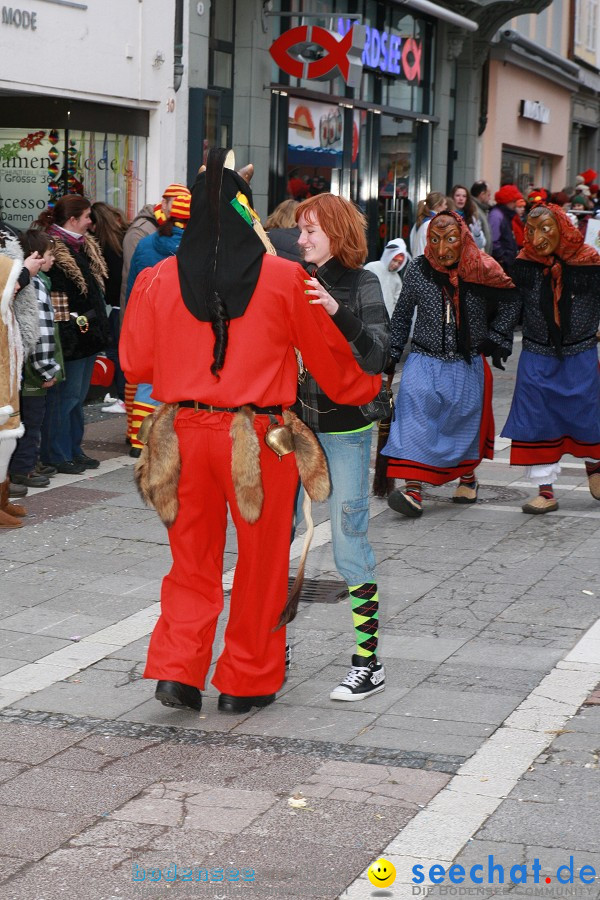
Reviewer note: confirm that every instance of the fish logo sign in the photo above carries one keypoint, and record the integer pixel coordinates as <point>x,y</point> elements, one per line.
<point>343,56</point>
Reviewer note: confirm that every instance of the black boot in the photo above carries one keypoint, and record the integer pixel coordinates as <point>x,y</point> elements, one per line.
<point>229,703</point>
<point>178,695</point>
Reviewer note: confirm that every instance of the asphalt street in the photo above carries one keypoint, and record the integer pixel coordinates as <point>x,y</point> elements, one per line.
<point>485,744</point>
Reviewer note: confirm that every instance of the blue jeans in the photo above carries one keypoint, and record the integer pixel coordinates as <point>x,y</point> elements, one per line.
<point>62,431</point>
<point>25,457</point>
<point>348,456</point>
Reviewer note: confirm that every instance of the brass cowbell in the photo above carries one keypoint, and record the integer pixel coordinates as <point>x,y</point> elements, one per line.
<point>279,438</point>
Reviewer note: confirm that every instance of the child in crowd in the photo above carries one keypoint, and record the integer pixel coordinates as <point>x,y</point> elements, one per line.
<point>43,369</point>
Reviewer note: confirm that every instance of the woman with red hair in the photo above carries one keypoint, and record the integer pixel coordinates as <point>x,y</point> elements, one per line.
<point>332,241</point>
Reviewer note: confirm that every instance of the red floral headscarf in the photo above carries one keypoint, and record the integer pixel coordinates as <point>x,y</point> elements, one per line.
<point>474,266</point>
<point>571,250</point>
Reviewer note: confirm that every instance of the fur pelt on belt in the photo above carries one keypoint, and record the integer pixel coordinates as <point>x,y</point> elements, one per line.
<point>310,458</point>
<point>245,465</point>
<point>245,462</point>
<point>157,470</point>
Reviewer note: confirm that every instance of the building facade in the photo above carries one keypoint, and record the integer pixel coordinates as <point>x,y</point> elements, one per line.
<point>87,102</point>
<point>378,100</point>
<point>531,85</point>
<point>585,50</point>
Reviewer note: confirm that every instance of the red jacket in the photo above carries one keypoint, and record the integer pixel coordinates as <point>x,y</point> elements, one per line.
<point>163,344</point>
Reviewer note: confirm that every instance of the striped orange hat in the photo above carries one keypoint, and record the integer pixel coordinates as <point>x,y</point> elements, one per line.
<point>175,189</point>
<point>180,208</point>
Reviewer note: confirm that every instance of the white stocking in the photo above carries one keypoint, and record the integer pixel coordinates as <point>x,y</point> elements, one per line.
<point>543,474</point>
<point>7,448</point>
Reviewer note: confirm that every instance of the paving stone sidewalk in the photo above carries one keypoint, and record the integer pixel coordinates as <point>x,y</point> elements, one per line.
<point>96,778</point>
<point>551,816</point>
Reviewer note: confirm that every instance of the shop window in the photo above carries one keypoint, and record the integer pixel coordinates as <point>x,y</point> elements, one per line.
<point>397,172</point>
<point>520,169</point>
<point>316,147</point>
<point>37,166</point>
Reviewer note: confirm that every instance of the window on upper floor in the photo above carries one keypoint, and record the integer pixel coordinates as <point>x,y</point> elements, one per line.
<point>592,25</point>
<point>578,22</point>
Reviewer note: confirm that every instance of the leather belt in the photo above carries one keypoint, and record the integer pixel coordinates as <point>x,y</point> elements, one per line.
<point>259,410</point>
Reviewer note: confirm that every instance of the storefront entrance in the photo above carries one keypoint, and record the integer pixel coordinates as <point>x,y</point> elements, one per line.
<point>41,159</point>
<point>525,170</point>
<point>380,162</point>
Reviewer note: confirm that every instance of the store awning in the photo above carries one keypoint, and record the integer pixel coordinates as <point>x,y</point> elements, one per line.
<point>439,12</point>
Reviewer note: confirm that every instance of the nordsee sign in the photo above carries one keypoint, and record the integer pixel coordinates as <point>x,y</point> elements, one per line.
<point>20,18</point>
<point>392,54</point>
<point>533,109</point>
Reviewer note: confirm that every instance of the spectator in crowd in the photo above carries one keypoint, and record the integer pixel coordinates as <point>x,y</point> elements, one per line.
<point>433,203</point>
<point>283,231</point>
<point>43,369</point>
<point>581,211</point>
<point>150,251</point>
<point>393,259</point>
<point>481,194</point>
<point>297,187</point>
<point>77,292</point>
<point>109,228</point>
<point>504,245</point>
<point>333,241</point>
<point>562,198</point>
<point>146,222</point>
<point>537,195</point>
<point>518,222</point>
<point>17,338</point>
<point>466,208</point>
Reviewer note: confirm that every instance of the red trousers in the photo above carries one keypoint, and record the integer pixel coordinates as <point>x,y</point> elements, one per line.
<point>252,662</point>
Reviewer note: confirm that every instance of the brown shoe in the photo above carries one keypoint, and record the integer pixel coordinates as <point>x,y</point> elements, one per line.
<point>594,483</point>
<point>466,494</point>
<point>15,509</point>
<point>8,521</point>
<point>11,509</point>
<point>540,505</point>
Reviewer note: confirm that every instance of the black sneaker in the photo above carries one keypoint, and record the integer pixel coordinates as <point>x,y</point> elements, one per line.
<point>366,677</point>
<point>70,468</point>
<point>86,461</point>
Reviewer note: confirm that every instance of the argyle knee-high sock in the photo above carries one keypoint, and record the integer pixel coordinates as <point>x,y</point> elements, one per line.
<point>365,615</point>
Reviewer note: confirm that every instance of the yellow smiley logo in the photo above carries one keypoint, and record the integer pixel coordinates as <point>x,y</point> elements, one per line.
<point>381,873</point>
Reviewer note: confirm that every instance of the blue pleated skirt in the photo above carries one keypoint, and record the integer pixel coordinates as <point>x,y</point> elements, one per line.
<point>438,417</point>
<point>555,408</point>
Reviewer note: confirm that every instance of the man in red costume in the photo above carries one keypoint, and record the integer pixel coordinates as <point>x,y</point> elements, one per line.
<point>215,330</point>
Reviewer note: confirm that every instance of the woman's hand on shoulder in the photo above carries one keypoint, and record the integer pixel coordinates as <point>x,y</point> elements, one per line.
<point>318,295</point>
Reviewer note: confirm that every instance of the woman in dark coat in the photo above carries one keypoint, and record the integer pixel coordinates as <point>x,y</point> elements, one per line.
<point>77,292</point>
